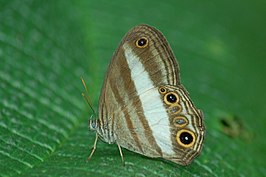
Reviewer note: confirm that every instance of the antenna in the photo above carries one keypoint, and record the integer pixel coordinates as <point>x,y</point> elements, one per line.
<point>87,99</point>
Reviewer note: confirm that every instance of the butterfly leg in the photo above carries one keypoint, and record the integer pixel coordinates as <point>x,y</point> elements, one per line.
<point>121,154</point>
<point>94,147</point>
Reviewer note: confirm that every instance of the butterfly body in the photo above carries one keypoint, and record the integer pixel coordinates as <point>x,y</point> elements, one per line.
<point>143,107</point>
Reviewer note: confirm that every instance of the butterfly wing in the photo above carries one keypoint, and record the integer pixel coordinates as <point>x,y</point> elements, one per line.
<point>131,106</point>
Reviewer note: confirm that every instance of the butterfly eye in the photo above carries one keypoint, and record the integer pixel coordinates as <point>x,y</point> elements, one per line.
<point>171,98</point>
<point>142,42</point>
<point>180,121</point>
<point>93,124</point>
<point>185,138</point>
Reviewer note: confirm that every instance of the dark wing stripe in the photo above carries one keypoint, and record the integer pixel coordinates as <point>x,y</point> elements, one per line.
<point>121,102</point>
<point>169,58</point>
<point>166,54</point>
<point>196,121</point>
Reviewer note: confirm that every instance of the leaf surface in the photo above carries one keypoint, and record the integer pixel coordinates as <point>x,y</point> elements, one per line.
<point>45,46</point>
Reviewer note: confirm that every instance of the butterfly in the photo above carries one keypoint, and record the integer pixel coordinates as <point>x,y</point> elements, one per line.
<point>143,106</point>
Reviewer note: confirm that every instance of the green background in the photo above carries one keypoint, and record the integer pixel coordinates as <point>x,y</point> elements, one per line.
<point>45,46</point>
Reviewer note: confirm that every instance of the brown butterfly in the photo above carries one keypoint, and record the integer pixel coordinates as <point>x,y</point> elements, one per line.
<point>143,107</point>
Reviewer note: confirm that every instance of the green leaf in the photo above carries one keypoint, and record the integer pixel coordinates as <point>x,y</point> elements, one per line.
<point>45,46</point>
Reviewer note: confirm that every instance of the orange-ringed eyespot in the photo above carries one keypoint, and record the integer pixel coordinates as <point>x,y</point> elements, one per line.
<point>171,98</point>
<point>185,138</point>
<point>180,121</point>
<point>142,42</point>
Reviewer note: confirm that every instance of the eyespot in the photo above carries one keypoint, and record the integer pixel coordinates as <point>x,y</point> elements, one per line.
<point>142,42</point>
<point>180,121</point>
<point>185,138</point>
<point>171,98</point>
<point>162,90</point>
<point>175,109</point>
